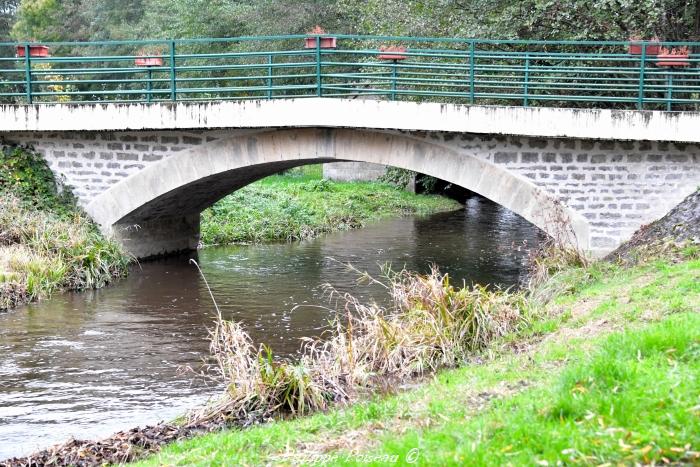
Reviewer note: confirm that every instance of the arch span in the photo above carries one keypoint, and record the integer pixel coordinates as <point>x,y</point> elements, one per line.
<point>157,210</point>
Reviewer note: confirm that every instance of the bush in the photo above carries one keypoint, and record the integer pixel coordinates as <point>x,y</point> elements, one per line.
<point>25,174</point>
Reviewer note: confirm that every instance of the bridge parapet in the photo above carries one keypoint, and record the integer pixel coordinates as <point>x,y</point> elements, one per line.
<point>587,74</point>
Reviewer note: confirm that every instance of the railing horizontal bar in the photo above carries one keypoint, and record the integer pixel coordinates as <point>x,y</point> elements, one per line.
<point>98,92</point>
<point>243,78</point>
<point>238,67</point>
<point>98,81</point>
<point>403,65</point>
<point>248,88</point>
<point>73,71</point>
<point>290,53</point>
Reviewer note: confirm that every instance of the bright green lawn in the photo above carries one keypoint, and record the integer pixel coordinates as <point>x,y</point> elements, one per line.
<point>611,375</point>
<point>300,204</point>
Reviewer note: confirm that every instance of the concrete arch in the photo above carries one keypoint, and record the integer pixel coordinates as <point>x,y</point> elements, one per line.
<point>164,200</point>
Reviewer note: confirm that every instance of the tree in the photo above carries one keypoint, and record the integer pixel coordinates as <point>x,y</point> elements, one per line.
<point>8,9</point>
<point>38,20</point>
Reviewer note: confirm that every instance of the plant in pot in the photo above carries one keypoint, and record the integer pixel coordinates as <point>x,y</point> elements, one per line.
<point>677,56</point>
<point>653,45</point>
<point>35,50</point>
<point>149,56</point>
<point>392,52</point>
<point>327,42</point>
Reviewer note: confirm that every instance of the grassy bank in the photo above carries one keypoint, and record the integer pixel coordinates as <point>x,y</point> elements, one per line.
<point>606,372</point>
<point>46,243</point>
<point>300,204</point>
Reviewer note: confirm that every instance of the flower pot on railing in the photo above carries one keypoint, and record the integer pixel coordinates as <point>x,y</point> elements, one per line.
<point>392,53</point>
<point>148,61</point>
<point>652,46</point>
<point>149,56</point>
<point>327,42</point>
<point>34,51</point>
<point>673,58</point>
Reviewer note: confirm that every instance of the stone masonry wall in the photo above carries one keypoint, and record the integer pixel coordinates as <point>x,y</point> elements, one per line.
<point>616,185</point>
<point>91,162</point>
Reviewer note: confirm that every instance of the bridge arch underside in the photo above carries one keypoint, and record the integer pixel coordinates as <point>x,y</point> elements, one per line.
<point>156,211</point>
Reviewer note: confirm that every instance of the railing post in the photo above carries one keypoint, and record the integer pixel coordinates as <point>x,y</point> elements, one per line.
<point>319,89</point>
<point>472,56</point>
<point>669,90</point>
<point>149,93</point>
<point>393,79</point>
<point>269,76</point>
<point>28,73</point>
<point>642,66</point>
<point>173,81</point>
<point>526,80</point>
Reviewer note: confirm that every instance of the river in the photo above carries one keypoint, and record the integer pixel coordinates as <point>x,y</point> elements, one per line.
<point>89,364</point>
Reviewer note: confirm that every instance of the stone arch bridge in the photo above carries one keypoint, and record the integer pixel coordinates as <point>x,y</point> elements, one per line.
<point>144,172</point>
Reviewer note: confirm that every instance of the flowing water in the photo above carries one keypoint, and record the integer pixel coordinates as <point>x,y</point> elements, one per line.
<point>86,365</point>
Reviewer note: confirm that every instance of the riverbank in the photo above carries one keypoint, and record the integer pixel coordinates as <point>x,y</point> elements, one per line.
<point>300,204</point>
<point>47,244</point>
<point>607,372</point>
<point>604,371</point>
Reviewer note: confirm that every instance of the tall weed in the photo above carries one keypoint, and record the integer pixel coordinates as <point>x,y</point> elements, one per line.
<point>430,325</point>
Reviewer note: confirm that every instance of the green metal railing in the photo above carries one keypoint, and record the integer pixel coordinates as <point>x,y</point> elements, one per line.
<point>451,70</point>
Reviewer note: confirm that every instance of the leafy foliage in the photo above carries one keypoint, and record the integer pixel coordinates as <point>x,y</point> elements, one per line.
<point>522,19</point>
<point>400,178</point>
<point>24,173</point>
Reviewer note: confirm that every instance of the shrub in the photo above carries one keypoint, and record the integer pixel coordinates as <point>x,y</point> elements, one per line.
<point>25,174</point>
<point>397,177</point>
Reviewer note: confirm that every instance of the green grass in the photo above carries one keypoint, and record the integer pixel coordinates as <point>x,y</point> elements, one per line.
<point>300,205</point>
<point>609,374</point>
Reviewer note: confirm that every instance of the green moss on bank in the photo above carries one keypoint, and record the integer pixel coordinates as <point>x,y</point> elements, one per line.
<point>47,243</point>
<point>300,205</point>
<point>609,372</point>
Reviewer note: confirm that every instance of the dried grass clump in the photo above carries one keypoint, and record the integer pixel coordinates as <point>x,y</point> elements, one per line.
<point>556,259</point>
<point>431,325</point>
<point>550,268</point>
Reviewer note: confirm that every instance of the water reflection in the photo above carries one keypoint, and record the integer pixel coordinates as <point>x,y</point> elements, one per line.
<point>86,365</point>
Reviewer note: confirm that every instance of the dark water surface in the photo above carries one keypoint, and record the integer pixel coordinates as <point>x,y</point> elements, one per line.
<point>87,365</point>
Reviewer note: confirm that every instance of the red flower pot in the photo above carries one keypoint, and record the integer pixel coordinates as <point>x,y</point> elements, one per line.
<point>327,42</point>
<point>672,60</point>
<point>392,53</point>
<point>653,48</point>
<point>149,61</point>
<point>34,51</point>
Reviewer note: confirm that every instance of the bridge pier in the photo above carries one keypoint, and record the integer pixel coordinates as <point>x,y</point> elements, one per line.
<point>158,237</point>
